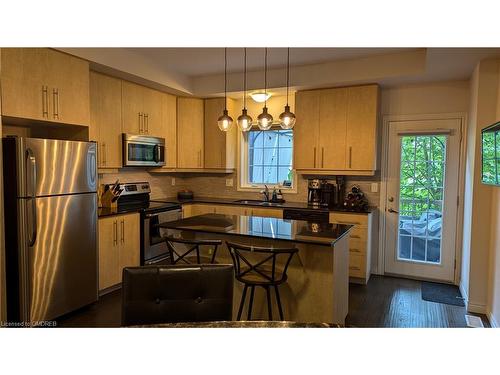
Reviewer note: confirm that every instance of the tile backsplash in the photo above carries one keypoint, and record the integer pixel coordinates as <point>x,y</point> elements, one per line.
<point>215,185</point>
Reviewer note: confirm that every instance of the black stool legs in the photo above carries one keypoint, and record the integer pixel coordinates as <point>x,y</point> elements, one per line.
<point>250,304</point>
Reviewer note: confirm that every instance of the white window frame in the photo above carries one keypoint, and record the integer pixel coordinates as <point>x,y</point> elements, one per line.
<point>243,184</point>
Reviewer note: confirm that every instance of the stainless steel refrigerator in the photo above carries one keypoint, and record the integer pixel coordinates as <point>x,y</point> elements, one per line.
<point>50,227</point>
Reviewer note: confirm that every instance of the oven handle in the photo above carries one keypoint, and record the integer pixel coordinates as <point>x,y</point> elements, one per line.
<point>149,216</point>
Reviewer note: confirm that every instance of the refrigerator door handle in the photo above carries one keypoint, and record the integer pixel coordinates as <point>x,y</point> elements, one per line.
<point>31,181</point>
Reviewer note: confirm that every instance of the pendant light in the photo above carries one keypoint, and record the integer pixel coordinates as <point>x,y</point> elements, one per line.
<point>287,118</point>
<point>265,120</point>
<point>225,121</point>
<point>245,121</point>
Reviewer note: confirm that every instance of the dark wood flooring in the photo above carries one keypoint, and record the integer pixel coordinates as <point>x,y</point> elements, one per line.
<point>383,302</point>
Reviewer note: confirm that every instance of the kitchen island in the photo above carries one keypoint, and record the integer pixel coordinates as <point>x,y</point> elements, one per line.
<point>317,288</point>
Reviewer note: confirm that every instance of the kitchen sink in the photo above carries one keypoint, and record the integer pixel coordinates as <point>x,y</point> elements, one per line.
<point>256,202</point>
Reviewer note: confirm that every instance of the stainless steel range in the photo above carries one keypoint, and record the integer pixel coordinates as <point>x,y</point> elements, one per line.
<point>136,196</point>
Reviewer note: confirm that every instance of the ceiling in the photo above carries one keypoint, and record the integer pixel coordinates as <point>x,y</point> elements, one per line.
<point>196,62</point>
<point>199,71</point>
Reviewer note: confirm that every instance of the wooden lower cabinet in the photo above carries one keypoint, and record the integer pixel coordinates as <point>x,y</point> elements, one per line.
<point>119,247</point>
<point>361,243</point>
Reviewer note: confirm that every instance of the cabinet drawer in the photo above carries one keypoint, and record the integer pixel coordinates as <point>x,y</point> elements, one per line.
<point>356,219</point>
<point>357,266</point>
<point>357,246</point>
<point>359,233</point>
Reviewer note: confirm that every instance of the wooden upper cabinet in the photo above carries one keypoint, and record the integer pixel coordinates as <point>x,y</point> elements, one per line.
<point>46,85</point>
<point>336,130</point>
<point>106,119</point>
<point>132,108</point>
<point>332,129</point>
<point>190,133</point>
<point>152,100</point>
<point>361,136</point>
<point>141,110</point>
<point>306,130</point>
<point>169,132</point>
<point>219,146</point>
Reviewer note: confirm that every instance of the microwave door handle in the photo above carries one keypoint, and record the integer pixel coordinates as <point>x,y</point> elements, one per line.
<point>31,179</point>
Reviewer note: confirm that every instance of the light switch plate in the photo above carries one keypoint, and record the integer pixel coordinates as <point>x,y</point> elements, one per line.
<point>374,187</point>
<point>173,181</point>
<point>229,182</point>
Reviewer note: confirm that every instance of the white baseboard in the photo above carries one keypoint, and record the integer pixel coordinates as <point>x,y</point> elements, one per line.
<point>493,321</point>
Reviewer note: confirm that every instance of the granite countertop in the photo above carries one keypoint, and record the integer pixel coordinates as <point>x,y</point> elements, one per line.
<point>105,211</point>
<point>241,324</point>
<point>233,201</point>
<point>298,231</point>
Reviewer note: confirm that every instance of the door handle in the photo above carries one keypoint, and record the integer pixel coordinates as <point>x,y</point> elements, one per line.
<point>30,159</point>
<point>103,154</point>
<point>314,163</point>
<point>55,106</point>
<point>393,211</point>
<point>115,234</point>
<point>45,102</point>
<point>140,122</point>
<point>322,156</point>
<point>123,230</point>
<point>146,123</point>
<point>350,156</point>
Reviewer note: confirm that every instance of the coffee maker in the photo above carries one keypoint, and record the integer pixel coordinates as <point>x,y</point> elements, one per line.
<point>314,193</point>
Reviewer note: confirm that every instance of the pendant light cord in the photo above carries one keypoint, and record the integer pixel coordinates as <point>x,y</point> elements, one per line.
<point>225,78</point>
<point>265,78</point>
<point>245,82</point>
<point>287,73</point>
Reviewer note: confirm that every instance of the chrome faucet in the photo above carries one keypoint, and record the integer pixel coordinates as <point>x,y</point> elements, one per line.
<point>266,193</point>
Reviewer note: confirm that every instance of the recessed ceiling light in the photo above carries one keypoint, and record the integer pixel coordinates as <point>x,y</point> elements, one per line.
<point>260,97</point>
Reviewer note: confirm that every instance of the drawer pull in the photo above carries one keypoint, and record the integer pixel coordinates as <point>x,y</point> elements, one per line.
<point>355,237</point>
<point>355,268</point>
<point>355,250</point>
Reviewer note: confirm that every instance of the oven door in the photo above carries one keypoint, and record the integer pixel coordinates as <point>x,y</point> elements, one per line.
<point>154,246</point>
<point>143,151</point>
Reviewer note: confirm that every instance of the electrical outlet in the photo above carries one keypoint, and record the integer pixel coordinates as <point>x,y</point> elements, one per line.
<point>173,181</point>
<point>229,182</point>
<point>374,187</point>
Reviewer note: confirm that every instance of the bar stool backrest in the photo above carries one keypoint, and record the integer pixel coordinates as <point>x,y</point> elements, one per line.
<point>264,262</point>
<point>197,249</point>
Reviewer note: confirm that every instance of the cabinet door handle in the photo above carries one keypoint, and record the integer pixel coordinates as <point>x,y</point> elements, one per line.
<point>314,157</point>
<point>45,101</point>
<point>354,250</point>
<point>355,268</point>
<point>115,233</point>
<point>103,158</point>
<point>322,156</point>
<point>123,230</point>
<point>350,156</point>
<point>55,104</point>
<point>199,158</point>
<point>146,120</point>
<point>140,122</point>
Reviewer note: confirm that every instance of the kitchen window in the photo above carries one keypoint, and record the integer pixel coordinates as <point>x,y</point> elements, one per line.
<point>267,158</point>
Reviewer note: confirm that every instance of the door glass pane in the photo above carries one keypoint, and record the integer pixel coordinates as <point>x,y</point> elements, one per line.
<point>421,194</point>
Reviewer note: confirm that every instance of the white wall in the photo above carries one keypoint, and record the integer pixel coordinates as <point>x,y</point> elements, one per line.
<point>478,210</point>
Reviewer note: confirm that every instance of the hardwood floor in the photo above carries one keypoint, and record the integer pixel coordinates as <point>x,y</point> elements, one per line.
<point>383,302</point>
<point>397,303</point>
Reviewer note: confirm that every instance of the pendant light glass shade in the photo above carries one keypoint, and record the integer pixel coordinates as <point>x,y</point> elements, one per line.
<point>244,121</point>
<point>225,121</point>
<point>265,120</point>
<point>287,118</point>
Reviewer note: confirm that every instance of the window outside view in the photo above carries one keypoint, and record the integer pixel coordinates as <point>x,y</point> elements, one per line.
<point>270,155</point>
<point>421,197</point>
<point>491,157</point>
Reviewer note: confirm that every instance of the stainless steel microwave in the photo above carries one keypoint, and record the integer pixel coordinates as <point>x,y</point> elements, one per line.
<point>143,151</point>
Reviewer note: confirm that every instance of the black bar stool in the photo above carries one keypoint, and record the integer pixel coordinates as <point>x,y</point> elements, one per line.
<point>261,270</point>
<point>192,251</point>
